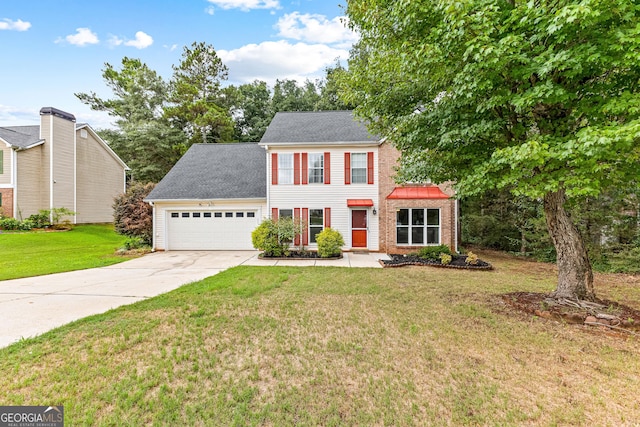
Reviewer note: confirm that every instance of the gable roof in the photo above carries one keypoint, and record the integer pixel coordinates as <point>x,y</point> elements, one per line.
<point>216,171</point>
<point>21,136</point>
<point>316,127</point>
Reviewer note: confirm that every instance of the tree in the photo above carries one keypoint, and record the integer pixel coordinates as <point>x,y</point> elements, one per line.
<point>142,138</point>
<point>330,88</point>
<point>540,96</point>
<point>250,107</point>
<point>289,96</point>
<point>132,216</point>
<point>195,94</point>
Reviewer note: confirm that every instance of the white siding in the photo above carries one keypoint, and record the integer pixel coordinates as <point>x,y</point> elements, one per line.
<point>333,195</point>
<point>7,172</point>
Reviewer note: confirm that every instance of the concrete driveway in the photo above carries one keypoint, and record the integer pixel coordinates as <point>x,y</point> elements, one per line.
<point>35,305</point>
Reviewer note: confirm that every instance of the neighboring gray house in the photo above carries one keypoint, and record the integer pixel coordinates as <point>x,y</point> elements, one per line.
<point>58,164</point>
<point>323,168</point>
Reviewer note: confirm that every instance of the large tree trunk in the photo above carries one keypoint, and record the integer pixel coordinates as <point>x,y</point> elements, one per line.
<point>575,277</point>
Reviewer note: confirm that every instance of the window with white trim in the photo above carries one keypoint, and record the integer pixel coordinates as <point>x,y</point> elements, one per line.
<point>285,168</point>
<point>316,168</point>
<point>285,213</point>
<point>316,223</point>
<point>418,227</point>
<point>358,168</point>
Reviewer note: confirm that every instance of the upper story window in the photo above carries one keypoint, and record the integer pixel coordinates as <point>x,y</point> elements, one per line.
<point>358,168</point>
<point>285,168</point>
<point>316,168</point>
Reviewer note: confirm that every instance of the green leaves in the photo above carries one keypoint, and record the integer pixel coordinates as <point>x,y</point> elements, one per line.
<point>531,96</point>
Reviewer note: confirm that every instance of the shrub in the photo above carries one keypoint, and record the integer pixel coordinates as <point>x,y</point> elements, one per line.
<point>40,220</point>
<point>265,238</point>
<point>445,259</point>
<point>330,243</point>
<point>433,252</point>
<point>472,259</point>
<point>132,216</point>
<point>133,243</point>
<point>9,224</point>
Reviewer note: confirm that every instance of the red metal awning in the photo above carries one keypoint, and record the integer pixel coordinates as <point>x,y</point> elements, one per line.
<point>432,192</point>
<point>359,202</point>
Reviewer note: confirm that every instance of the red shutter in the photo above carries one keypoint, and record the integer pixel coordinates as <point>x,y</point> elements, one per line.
<point>347,168</point>
<point>296,168</point>
<point>370,167</point>
<point>305,169</point>
<point>327,217</point>
<point>327,168</point>
<point>305,230</point>
<point>274,168</point>
<point>296,218</point>
<point>274,214</point>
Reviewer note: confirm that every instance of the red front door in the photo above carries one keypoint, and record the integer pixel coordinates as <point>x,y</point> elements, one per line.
<point>359,228</point>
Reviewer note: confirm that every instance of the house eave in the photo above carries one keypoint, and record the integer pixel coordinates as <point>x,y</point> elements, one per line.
<point>266,145</point>
<point>212,201</point>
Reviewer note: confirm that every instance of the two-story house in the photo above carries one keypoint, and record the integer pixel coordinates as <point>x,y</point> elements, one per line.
<point>58,164</point>
<point>323,168</point>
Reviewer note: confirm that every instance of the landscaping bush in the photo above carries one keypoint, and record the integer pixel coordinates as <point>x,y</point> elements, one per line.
<point>132,216</point>
<point>330,243</point>
<point>40,220</point>
<point>10,224</point>
<point>265,238</point>
<point>433,252</point>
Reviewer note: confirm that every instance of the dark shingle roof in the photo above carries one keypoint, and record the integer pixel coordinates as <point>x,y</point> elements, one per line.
<point>216,171</point>
<point>20,136</point>
<point>316,126</point>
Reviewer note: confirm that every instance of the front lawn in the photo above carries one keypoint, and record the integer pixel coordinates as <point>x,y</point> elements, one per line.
<point>34,253</point>
<point>287,346</point>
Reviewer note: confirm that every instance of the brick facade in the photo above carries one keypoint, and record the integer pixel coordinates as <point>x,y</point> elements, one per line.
<point>7,202</point>
<point>388,161</point>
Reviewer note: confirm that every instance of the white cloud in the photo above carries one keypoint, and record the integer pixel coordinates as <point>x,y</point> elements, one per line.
<point>210,10</point>
<point>19,25</point>
<point>82,37</point>
<point>15,116</point>
<point>170,48</point>
<point>114,41</point>
<point>142,41</point>
<point>269,61</point>
<point>315,29</point>
<point>245,5</point>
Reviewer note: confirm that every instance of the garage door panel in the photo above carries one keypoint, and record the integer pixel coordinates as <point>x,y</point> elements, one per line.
<point>211,232</point>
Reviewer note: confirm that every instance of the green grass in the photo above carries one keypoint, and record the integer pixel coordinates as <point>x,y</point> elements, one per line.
<point>38,253</point>
<point>283,346</point>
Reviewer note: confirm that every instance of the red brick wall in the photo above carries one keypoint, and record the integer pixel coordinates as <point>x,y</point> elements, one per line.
<point>387,162</point>
<point>7,202</point>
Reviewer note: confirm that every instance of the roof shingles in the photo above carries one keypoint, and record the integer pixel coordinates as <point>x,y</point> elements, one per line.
<point>216,171</point>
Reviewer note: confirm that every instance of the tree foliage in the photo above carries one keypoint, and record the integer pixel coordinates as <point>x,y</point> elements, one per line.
<point>142,137</point>
<point>132,216</point>
<point>195,95</point>
<point>540,97</point>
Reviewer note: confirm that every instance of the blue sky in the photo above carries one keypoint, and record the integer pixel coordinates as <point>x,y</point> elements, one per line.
<point>53,49</point>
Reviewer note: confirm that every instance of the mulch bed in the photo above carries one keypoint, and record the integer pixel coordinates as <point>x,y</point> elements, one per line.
<point>298,255</point>
<point>457,261</point>
<point>601,314</point>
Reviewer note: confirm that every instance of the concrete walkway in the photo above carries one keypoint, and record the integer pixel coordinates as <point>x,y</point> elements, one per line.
<point>35,305</point>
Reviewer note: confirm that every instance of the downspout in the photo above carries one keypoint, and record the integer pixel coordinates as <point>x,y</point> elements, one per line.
<point>75,174</point>
<point>267,214</point>
<point>153,227</point>
<point>455,225</point>
<point>14,179</point>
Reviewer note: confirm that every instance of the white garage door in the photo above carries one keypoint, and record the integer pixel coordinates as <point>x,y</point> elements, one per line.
<point>211,230</point>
